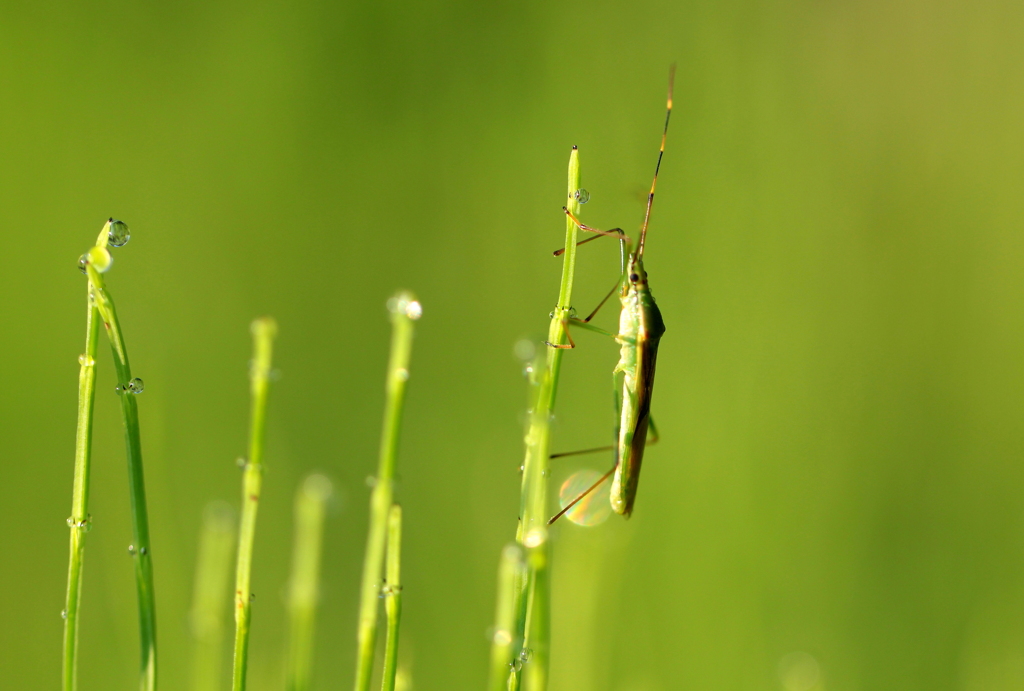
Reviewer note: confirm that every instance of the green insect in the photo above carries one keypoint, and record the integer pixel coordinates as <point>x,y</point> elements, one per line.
<point>640,331</point>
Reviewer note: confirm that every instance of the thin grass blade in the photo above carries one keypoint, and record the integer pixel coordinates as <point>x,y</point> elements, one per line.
<point>392,597</point>
<point>405,310</point>
<point>304,586</point>
<point>210,595</point>
<point>263,331</point>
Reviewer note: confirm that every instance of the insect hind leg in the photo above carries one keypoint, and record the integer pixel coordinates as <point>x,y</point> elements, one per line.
<point>575,501</point>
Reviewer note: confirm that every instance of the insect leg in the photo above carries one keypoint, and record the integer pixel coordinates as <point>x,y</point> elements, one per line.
<point>582,323</point>
<point>597,449</point>
<point>621,234</point>
<point>652,432</point>
<point>585,493</point>
<point>603,300</point>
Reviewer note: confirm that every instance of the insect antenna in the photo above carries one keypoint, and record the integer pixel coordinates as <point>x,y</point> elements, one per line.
<point>661,152</point>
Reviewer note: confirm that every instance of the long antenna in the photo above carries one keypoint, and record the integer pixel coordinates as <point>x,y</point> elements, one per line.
<point>661,152</point>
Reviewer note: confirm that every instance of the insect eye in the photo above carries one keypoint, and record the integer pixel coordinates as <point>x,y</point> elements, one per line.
<point>634,277</point>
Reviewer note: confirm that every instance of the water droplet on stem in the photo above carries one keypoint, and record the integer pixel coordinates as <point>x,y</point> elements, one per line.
<point>118,235</point>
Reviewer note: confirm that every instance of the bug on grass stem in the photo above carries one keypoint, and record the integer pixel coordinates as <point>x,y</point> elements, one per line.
<point>640,331</point>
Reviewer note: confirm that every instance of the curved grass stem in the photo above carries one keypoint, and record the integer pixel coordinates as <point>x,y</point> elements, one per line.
<point>99,262</point>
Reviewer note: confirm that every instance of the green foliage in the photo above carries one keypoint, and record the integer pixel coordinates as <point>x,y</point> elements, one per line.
<point>837,257</point>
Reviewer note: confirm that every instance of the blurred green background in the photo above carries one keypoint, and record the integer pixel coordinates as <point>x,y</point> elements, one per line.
<point>836,248</point>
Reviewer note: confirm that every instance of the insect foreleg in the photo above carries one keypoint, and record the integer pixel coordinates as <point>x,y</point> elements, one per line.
<point>614,232</point>
<point>583,325</point>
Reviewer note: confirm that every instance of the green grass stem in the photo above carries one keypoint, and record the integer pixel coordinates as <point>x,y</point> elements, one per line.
<point>504,646</point>
<point>263,332</point>
<point>532,591</point>
<point>393,597</point>
<point>404,311</point>
<point>97,262</point>
<point>210,596</point>
<point>304,585</point>
<point>79,521</point>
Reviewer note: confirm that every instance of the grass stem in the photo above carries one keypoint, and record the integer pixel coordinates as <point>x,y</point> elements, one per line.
<point>210,595</point>
<point>304,586</point>
<point>532,592</point>
<point>79,521</point>
<point>393,597</point>
<point>263,331</point>
<point>404,311</point>
<point>98,261</point>
<point>503,638</point>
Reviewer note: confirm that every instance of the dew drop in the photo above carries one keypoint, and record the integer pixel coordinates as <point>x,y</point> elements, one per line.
<point>591,510</point>
<point>86,361</point>
<point>71,521</point>
<point>131,550</point>
<point>142,551</point>
<point>402,304</point>
<point>136,385</point>
<point>582,196</point>
<point>63,614</point>
<point>402,374</point>
<point>119,235</point>
<point>83,261</point>
<point>241,462</point>
<point>525,654</point>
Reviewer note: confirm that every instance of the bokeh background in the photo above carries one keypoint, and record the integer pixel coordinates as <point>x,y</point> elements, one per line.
<point>838,499</point>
